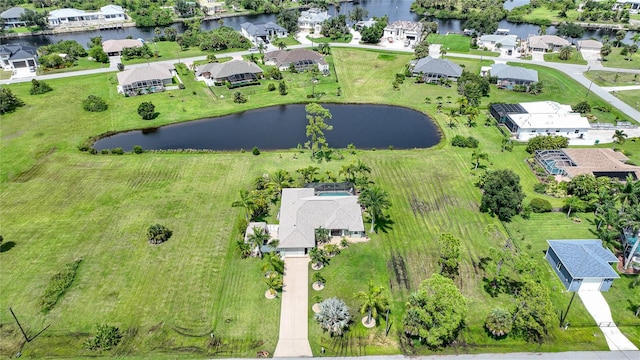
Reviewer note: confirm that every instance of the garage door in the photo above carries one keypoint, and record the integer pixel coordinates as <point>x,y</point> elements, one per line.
<point>590,285</point>
<point>19,64</point>
<point>294,252</point>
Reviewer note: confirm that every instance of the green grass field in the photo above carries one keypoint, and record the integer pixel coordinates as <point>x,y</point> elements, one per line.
<point>616,60</point>
<point>576,58</point>
<point>630,97</point>
<point>193,297</point>
<point>81,64</point>
<point>611,78</point>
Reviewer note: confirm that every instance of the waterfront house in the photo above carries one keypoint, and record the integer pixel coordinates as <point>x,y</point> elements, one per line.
<point>589,44</point>
<point>312,19</point>
<point>433,70</point>
<point>12,17</point>
<point>504,44</point>
<point>15,56</point>
<point>546,43</point>
<point>302,59</point>
<point>75,17</point>
<point>115,47</point>
<point>262,33</point>
<point>507,76</point>
<point>235,72</point>
<point>407,32</point>
<point>145,80</point>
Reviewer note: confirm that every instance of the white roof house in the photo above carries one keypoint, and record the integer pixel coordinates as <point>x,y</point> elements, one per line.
<point>302,212</point>
<point>508,43</point>
<point>114,47</point>
<point>80,17</point>
<point>144,80</point>
<point>530,119</point>
<point>409,32</point>
<point>312,19</point>
<point>508,75</point>
<point>632,5</point>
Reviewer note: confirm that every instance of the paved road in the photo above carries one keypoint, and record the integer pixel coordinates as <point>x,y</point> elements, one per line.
<point>572,355</point>
<point>294,320</point>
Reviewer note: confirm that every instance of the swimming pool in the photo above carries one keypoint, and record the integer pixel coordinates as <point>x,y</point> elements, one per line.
<point>335,193</point>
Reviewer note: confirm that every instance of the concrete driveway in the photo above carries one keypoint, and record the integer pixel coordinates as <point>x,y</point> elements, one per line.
<point>599,309</point>
<point>294,321</point>
<point>592,57</point>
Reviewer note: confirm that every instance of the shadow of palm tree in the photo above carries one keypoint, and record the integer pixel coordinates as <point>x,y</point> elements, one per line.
<point>7,246</point>
<point>384,224</point>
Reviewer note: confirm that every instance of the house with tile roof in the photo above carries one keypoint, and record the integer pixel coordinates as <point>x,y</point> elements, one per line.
<point>12,17</point>
<point>115,47</point>
<point>262,33</point>
<point>582,265</point>
<point>234,72</point>
<point>407,32</point>
<point>145,80</point>
<point>505,44</point>
<point>589,44</point>
<point>70,17</point>
<point>546,43</point>
<point>432,70</point>
<point>312,19</point>
<point>14,56</point>
<point>507,76</point>
<point>302,59</point>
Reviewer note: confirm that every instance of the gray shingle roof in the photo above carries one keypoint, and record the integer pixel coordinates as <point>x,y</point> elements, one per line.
<point>233,67</point>
<point>111,46</point>
<point>505,40</point>
<point>151,72</point>
<point>585,258</point>
<point>431,65</point>
<point>314,16</point>
<point>17,51</point>
<point>504,71</point>
<point>262,29</point>
<point>13,13</point>
<point>284,57</point>
<point>302,212</point>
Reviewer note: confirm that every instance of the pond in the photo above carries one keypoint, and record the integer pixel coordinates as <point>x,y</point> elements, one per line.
<point>284,127</point>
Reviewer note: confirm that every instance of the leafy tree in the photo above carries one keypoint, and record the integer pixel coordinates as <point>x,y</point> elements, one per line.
<point>376,201</point>
<point>632,50</point>
<point>39,87</point>
<point>34,18</point>
<point>498,322</point>
<point>373,301</point>
<point>247,202</point>
<point>421,50</point>
<point>94,103</point>
<point>317,117</point>
<point>185,8</point>
<point>147,110</point>
<point>566,52</point>
<point>171,32</point>
<point>157,234</point>
<point>605,51</point>
<point>477,156</point>
<point>72,48</point>
<point>542,142</point>
<point>461,141</point>
<point>436,312</point>
<point>94,41</point>
<point>534,314</point>
<point>373,34</point>
<point>282,88</point>
<point>333,316</point>
<point>620,34</point>
<point>570,29</point>
<point>98,54</point>
<point>619,136</point>
<point>502,195</point>
<point>449,254</point>
<point>106,337</point>
<point>358,13</point>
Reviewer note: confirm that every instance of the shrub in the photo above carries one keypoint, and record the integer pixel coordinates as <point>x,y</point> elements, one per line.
<point>271,87</point>
<point>8,101</point>
<point>582,107</point>
<point>39,87</point>
<point>181,86</point>
<point>58,285</point>
<point>461,141</point>
<point>117,151</point>
<point>239,98</point>
<point>540,188</point>
<point>282,87</point>
<point>498,323</point>
<point>542,142</point>
<point>147,110</point>
<point>106,337</point>
<point>157,234</point>
<point>539,205</point>
<point>94,104</point>
<point>138,149</point>
<point>255,151</point>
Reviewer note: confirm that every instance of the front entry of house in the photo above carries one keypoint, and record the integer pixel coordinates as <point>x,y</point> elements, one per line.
<point>590,285</point>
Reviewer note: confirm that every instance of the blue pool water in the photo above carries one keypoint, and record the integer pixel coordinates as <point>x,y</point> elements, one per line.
<point>337,193</point>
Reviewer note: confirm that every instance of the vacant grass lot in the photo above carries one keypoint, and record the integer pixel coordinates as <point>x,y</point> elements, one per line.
<point>458,44</point>
<point>81,64</point>
<point>616,60</point>
<point>612,78</point>
<point>630,97</point>
<point>192,296</point>
<point>576,58</point>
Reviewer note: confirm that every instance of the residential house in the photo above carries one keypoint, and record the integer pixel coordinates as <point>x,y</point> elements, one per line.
<point>432,70</point>
<point>365,24</point>
<point>632,5</point>
<point>15,56</point>
<point>262,33</point>
<point>589,44</point>
<point>235,72</point>
<point>530,119</point>
<point>546,43</point>
<point>145,80</point>
<point>508,76</point>
<point>300,58</point>
<point>566,164</point>
<point>115,47</point>
<point>407,32</point>
<point>312,19</point>
<point>11,17</point>
<point>303,210</point>
<point>75,17</point>
<point>582,265</point>
<point>212,6</point>
<point>504,44</point>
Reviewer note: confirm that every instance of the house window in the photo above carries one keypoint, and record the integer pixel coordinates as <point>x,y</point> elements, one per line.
<point>559,266</point>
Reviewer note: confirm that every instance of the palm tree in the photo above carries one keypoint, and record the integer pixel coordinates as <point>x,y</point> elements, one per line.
<point>273,263</point>
<point>261,48</point>
<point>318,278</point>
<point>636,38</point>
<point>318,257</point>
<point>506,141</point>
<point>257,238</point>
<point>478,155</point>
<point>463,102</point>
<point>243,248</point>
<point>571,203</point>
<point>281,179</point>
<point>373,301</point>
<point>619,136</point>
<point>498,322</point>
<point>322,235</point>
<point>281,44</point>
<point>247,202</point>
<point>375,200</point>
<point>274,282</point>
<point>565,52</point>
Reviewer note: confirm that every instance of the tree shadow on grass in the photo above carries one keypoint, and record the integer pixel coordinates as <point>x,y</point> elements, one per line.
<point>383,224</point>
<point>7,246</point>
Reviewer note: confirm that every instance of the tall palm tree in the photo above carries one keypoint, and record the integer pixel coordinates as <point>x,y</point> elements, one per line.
<point>273,263</point>
<point>373,301</point>
<point>257,238</point>
<point>376,201</point>
<point>478,155</point>
<point>322,235</point>
<point>619,136</point>
<point>565,52</point>
<point>247,202</point>
<point>318,257</point>
<point>281,179</point>
<point>506,140</point>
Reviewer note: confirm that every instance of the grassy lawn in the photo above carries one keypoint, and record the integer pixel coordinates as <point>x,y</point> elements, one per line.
<point>630,97</point>
<point>576,58</point>
<point>612,78</point>
<point>317,40</point>
<point>5,74</point>
<point>544,14</point>
<point>290,41</point>
<point>60,204</point>
<point>616,60</point>
<point>82,64</point>
<point>458,44</point>
<point>168,50</point>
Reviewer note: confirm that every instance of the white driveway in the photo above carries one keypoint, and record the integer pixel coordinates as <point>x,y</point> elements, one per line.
<point>592,57</point>
<point>599,309</point>
<point>294,322</point>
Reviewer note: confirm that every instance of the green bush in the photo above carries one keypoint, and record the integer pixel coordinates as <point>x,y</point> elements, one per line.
<point>157,234</point>
<point>39,87</point>
<point>271,87</point>
<point>539,205</point>
<point>461,141</point>
<point>255,151</point>
<point>138,149</point>
<point>94,104</point>
<point>106,337</point>
<point>117,151</point>
<point>147,110</point>
<point>540,188</point>
<point>58,284</point>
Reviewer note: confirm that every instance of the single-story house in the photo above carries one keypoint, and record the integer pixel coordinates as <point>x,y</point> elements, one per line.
<point>262,33</point>
<point>530,119</point>
<point>13,56</point>
<point>545,43</point>
<point>582,265</point>
<point>74,16</point>
<point>569,163</point>
<point>589,45</point>
<point>300,58</point>
<point>408,32</point>
<point>115,47</point>
<point>236,72</point>
<point>145,80</point>
<point>303,210</point>
<point>312,19</point>
<point>508,76</point>
<point>632,5</point>
<point>505,44</point>
<point>12,17</point>
<point>432,69</point>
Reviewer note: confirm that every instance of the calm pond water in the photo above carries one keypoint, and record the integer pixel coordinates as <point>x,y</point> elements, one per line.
<point>283,127</point>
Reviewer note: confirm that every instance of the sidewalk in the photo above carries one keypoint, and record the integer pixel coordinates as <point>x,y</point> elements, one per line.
<point>599,309</point>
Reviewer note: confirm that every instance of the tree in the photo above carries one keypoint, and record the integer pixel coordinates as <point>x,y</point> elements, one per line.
<point>94,103</point>
<point>8,101</point>
<point>34,18</point>
<point>571,30</point>
<point>281,179</point>
<point>358,13</point>
<point>314,74</point>
<point>239,98</point>
<point>288,19</point>
<point>247,202</point>
<point>436,312</point>
<point>632,50</point>
<point>478,155</point>
<point>620,35</point>
<point>534,314</point>
<point>98,54</point>
<point>39,87</point>
<point>373,301</point>
<point>333,316</point>
<point>274,282</point>
<point>573,203</point>
<point>322,235</point>
<point>318,257</point>
<point>257,238</point>
<point>542,142</point>
<point>498,322</point>
<point>605,51</point>
<point>619,136</point>
<point>147,110</point>
<point>449,254</point>
<point>582,107</point>
<point>565,52</point>
<point>282,88</point>
<point>244,248</point>
<point>106,337</point>
<point>373,34</point>
<point>376,201</point>
<point>502,195</point>
<point>157,234</point>
<point>317,117</point>
<point>171,33</point>
<point>463,102</point>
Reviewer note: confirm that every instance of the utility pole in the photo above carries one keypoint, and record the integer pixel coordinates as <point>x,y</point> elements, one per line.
<point>591,83</point>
